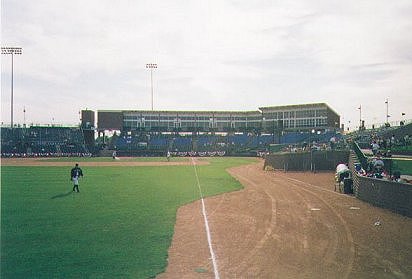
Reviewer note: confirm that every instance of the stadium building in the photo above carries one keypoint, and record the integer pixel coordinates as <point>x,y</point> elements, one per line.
<point>298,118</point>
<point>152,133</point>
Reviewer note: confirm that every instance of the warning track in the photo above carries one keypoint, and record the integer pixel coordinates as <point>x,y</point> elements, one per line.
<point>290,225</point>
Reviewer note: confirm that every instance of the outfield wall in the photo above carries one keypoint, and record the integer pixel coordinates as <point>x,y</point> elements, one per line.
<point>391,195</point>
<point>307,161</point>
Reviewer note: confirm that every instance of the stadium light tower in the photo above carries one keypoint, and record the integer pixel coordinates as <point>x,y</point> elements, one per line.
<point>387,110</point>
<point>12,51</point>
<point>151,67</point>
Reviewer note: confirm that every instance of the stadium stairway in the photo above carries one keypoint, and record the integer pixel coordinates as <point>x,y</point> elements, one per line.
<point>170,145</point>
<point>194,144</point>
<point>58,149</point>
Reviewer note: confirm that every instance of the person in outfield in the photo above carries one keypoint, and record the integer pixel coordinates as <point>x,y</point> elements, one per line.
<point>75,174</point>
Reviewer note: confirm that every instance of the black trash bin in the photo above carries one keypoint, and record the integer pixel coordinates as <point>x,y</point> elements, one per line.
<point>348,186</point>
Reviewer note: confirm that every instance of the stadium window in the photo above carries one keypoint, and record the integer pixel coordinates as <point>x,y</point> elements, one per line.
<point>312,113</point>
<point>312,122</point>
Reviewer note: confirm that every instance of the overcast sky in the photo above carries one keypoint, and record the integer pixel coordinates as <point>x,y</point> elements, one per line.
<point>211,55</point>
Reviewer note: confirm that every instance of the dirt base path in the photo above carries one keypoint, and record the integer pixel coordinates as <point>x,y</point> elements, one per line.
<point>290,225</point>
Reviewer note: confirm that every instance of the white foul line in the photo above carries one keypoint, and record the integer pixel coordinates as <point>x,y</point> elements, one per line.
<point>209,238</point>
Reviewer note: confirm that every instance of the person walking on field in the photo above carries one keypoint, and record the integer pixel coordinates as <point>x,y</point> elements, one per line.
<point>75,174</point>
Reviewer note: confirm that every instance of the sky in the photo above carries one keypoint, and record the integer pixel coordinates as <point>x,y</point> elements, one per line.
<point>211,55</point>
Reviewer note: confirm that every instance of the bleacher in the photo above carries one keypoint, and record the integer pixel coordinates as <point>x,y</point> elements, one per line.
<point>181,144</point>
<point>260,142</point>
<point>400,144</point>
<point>159,142</point>
<point>42,149</point>
<point>238,140</point>
<point>42,141</point>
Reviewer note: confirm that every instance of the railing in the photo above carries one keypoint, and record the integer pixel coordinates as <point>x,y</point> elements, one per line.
<point>362,158</point>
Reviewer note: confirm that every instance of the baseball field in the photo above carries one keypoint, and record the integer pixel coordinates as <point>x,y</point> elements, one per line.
<point>120,224</point>
<point>140,218</point>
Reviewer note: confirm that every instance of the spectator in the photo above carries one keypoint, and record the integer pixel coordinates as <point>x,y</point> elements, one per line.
<point>332,142</point>
<point>378,165</point>
<point>392,141</point>
<point>396,176</point>
<point>375,148</point>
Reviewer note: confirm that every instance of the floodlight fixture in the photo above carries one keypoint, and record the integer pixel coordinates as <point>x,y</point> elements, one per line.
<point>11,50</point>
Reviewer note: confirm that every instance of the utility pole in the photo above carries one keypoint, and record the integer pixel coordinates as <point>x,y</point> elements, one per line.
<point>12,51</point>
<point>151,66</point>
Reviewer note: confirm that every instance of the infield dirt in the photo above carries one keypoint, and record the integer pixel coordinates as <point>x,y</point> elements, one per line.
<point>290,225</point>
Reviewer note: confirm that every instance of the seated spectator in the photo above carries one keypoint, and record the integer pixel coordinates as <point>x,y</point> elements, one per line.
<point>378,165</point>
<point>332,142</point>
<point>304,145</point>
<point>359,169</point>
<point>396,176</point>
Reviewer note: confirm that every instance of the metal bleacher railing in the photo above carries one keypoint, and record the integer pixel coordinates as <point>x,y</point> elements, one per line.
<point>361,157</point>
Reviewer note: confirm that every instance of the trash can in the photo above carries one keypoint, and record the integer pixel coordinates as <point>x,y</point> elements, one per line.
<point>348,186</point>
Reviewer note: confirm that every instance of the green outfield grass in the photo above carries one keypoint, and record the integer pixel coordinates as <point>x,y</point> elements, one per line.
<point>119,226</point>
<point>404,166</point>
<point>110,159</point>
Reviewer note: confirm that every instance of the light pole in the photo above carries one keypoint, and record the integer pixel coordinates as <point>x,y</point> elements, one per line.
<point>24,117</point>
<point>151,67</point>
<point>360,117</point>
<point>387,110</point>
<point>12,51</point>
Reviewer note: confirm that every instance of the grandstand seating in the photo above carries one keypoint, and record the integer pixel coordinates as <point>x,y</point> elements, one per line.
<point>260,141</point>
<point>210,143</point>
<point>383,135</point>
<point>42,141</point>
<point>238,140</point>
<point>159,142</point>
<point>181,144</point>
<point>66,141</point>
